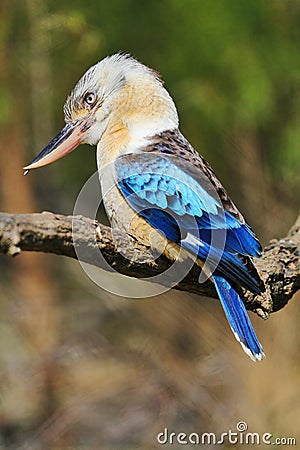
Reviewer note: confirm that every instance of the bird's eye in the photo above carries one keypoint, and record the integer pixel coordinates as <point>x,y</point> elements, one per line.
<point>90,98</point>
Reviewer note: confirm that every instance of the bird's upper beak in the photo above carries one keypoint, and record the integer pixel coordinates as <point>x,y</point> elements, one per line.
<point>64,142</point>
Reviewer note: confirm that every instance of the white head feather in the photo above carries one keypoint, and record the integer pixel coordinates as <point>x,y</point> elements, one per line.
<point>128,94</point>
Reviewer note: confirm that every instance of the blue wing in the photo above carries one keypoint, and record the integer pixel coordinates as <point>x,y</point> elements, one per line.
<point>182,203</point>
<point>189,212</point>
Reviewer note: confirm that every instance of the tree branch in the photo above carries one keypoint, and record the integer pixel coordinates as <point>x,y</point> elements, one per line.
<point>52,233</point>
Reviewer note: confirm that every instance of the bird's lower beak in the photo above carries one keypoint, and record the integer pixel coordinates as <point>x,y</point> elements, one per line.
<point>64,142</point>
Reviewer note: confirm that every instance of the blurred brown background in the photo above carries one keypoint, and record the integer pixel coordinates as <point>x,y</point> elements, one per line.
<point>79,367</point>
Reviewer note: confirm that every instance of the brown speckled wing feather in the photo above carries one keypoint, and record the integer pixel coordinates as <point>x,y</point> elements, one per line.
<point>174,143</point>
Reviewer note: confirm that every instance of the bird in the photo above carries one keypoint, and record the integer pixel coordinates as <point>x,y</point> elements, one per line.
<point>158,188</point>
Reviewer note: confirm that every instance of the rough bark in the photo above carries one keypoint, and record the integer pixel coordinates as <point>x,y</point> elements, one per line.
<point>52,233</point>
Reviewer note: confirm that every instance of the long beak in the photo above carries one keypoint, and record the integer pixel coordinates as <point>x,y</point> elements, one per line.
<point>64,142</point>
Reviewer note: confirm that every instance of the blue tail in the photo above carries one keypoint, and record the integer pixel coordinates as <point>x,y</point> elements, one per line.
<point>238,319</point>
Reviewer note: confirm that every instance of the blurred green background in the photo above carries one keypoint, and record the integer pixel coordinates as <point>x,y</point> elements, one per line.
<point>81,368</point>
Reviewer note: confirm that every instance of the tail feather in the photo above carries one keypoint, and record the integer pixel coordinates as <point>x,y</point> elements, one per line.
<point>238,319</point>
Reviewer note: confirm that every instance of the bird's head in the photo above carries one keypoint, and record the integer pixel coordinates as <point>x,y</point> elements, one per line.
<point>117,94</point>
